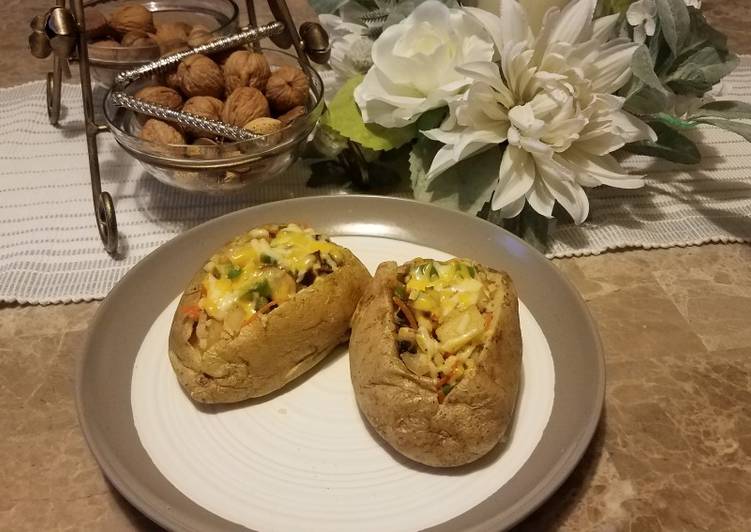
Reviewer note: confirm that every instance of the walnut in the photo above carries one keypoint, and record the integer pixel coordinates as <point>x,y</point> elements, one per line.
<point>172,79</point>
<point>105,43</point>
<point>244,68</point>
<point>206,106</point>
<point>160,95</point>
<point>292,115</point>
<point>203,148</point>
<point>287,88</point>
<point>263,126</point>
<point>172,36</point>
<point>199,35</point>
<point>200,76</point>
<point>137,38</point>
<point>132,17</point>
<point>96,23</point>
<point>244,105</point>
<point>161,133</point>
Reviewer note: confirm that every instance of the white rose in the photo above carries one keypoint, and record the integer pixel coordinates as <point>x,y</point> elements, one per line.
<point>414,64</point>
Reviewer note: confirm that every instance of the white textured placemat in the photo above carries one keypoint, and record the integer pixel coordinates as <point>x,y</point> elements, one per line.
<point>50,250</point>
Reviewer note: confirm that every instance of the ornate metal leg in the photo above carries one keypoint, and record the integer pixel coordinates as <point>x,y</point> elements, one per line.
<point>104,208</point>
<point>54,86</point>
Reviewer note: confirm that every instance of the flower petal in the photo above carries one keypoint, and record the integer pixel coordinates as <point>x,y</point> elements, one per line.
<point>490,22</point>
<point>574,24</point>
<point>632,128</point>
<point>567,192</point>
<point>602,28</point>
<point>459,145</point>
<point>612,69</point>
<point>590,170</point>
<point>515,177</point>
<point>540,198</point>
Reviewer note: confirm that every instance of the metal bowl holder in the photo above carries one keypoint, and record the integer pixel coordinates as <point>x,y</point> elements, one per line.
<point>62,33</point>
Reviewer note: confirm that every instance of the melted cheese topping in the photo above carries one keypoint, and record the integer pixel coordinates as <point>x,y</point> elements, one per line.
<point>448,300</point>
<point>260,267</point>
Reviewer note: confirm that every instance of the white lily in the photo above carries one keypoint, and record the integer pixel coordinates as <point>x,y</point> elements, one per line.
<point>642,15</point>
<point>552,100</point>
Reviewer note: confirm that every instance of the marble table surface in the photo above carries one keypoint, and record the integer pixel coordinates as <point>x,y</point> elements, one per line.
<point>672,450</point>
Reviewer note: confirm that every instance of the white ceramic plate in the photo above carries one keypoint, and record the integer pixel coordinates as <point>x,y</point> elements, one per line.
<point>304,458</point>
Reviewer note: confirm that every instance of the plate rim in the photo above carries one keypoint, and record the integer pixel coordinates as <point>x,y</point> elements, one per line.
<point>522,507</point>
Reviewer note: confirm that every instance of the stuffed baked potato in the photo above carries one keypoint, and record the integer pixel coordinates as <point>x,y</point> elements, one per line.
<point>435,358</point>
<point>266,307</point>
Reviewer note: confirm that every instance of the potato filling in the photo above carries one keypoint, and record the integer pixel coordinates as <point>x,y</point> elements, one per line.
<point>443,318</point>
<point>255,273</point>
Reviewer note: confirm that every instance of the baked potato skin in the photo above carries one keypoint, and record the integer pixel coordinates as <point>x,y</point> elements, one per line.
<point>272,349</point>
<point>403,407</point>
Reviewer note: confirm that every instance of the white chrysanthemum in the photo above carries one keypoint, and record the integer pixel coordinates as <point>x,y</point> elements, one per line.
<point>552,100</point>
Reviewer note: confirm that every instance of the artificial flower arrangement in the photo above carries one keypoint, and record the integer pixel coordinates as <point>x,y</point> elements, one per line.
<point>513,115</point>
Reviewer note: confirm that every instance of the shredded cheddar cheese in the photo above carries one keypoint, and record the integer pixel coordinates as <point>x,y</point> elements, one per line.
<point>450,303</point>
<point>262,266</point>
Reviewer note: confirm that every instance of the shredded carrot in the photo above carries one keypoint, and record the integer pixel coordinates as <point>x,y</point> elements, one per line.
<point>406,311</point>
<point>192,311</point>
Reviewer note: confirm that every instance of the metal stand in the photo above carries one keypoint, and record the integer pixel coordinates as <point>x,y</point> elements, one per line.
<point>62,32</point>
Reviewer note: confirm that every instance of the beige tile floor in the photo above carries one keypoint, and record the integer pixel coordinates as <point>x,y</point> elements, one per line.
<point>672,451</point>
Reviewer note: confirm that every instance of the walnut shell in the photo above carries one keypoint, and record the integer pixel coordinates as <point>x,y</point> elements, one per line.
<point>287,88</point>
<point>244,105</point>
<point>199,35</point>
<point>137,38</point>
<point>203,148</point>
<point>161,133</point>
<point>200,76</point>
<point>172,36</point>
<point>96,23</point>
<point>263,126</point>
<point>132,17</point>
<point>160,95</point>
<point>243,68</point>
<point>292,115</point>
<point>172,79</point>
<point>105,43</point>
<point>204,106</point>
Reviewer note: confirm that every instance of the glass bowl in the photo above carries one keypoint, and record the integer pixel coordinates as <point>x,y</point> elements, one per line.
<point>220,17</point>
<point>227,166</point>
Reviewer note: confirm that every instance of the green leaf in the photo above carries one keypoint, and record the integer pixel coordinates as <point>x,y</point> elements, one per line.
<point>465,186</point>
<point>724,109</point>
<point>345,118</point>
<point>646,101</point>
<point>643,69</point>
<point>675,22</point>
<point>670,145</point>
<point>674,121</point>
<point>701,71</point>
<point>739,128</point>
<point>646,93</point>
